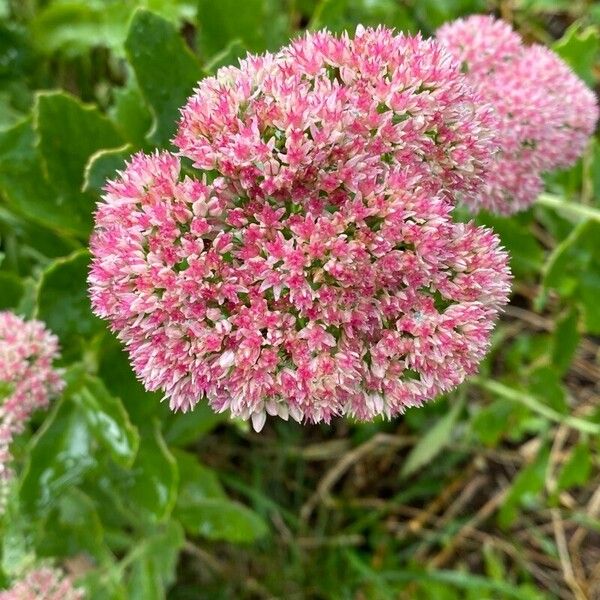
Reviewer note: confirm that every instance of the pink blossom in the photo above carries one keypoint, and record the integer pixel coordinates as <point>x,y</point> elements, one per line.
<point>545,112</point>
<point>43,584</point>
<point>315,304</point>
<point>481,42</point>
<point>27,381</point>
<point>328,114</point>
<point>311,267</point>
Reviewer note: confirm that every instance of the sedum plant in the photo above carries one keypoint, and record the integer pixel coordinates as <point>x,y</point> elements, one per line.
<point>286,234</point>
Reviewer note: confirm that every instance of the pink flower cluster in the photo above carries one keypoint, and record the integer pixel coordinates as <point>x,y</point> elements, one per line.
<point>311,266</point>
<point>43,584</point>
<point>27,381</point>
<point>545,112</point>
<point>329,113</point>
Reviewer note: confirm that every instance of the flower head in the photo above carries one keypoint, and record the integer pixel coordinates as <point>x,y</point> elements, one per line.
<point>320,304</point>
<point>331,113</point>
<point>311,268</point>
<point>27,381</point>
<point>481,43</point>
<point>43,584</point>
<point>545,112</point>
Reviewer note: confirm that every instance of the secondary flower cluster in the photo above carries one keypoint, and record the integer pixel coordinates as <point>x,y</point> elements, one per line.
<point>43,584</point>
<point>545,112</point>
<point>329,113</point>
<point>27,381</point>
<point>311,266</point>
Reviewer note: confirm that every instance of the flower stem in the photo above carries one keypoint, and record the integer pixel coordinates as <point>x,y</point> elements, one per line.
<point>557,203</point>
<point>535,405</point>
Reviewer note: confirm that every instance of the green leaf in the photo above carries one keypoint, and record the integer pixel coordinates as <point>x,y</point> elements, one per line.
<point>220,519</point>
<point>144,582</point>
<point>173,10</point>
<point>9,115</point>
<point>69,133</point>
<point>11,290</point>
<point>577,468</point>
<point>25,187</point>
<point>433,13</point>
<point>165,68</point>
<point>60,457</point>
<point>196,482</point>
<point>103,584</point>
<point>150,489</point>
<point>153,569</point>
<point>36,242</point>
<point>574,270</point>
<point>6,389</point>
<point>433,442</point>
<point>533,403</point>
<point>525,488</point>
<point>62,302</point>
<point>565,341</point>
<point>72,527</point>
<point>492,421</point>
<point>543,5</point>
<point>494,565</point>
<point>130,113</point>
<point>581,50</point>
<point>545,384</point>
<point>526,254</point>
<point>184,428</point>
<point>524,350</point>
<point>108,420</point>
<point>342,15</point>
<point>73,27</point>
<point>230,55</point>
<point>203,508</point>
<point>462,580</point>
<point>259,24</point>
<point>103,165</point>
<point>594,168</point>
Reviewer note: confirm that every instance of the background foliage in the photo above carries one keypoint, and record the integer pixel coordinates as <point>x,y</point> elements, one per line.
<point>490,493</point>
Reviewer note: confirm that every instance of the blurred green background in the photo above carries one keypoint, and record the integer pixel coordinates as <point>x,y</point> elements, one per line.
<point>491,493</point>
